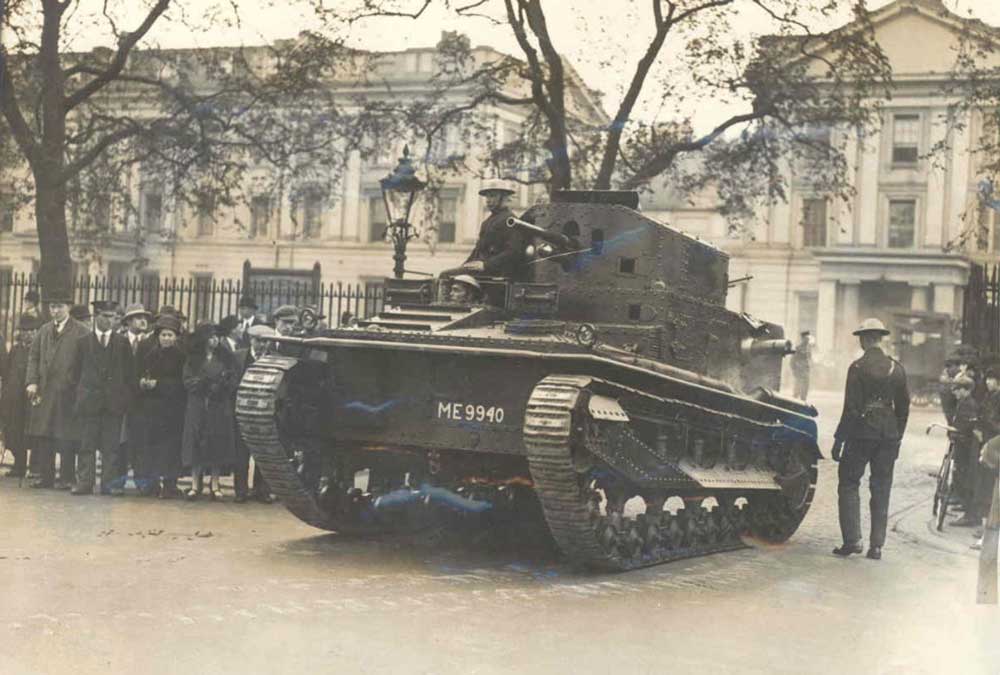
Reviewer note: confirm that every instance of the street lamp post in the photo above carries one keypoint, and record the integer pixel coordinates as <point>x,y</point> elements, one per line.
<point>399,190</point>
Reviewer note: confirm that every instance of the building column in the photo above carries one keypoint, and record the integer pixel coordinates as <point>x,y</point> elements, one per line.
<point>944,298</point>
<point>826,321</point>
<point>920,300</point>
<point>849,318</point>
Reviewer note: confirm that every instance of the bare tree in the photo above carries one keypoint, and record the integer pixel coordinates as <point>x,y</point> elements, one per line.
<point>197,120</point>
<point>787,91</point>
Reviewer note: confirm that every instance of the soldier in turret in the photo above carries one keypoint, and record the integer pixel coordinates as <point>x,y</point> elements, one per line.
<point>499,251</point>
<point>876,409</point>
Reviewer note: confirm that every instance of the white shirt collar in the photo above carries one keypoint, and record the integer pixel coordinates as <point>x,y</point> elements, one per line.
<point>101,335</point>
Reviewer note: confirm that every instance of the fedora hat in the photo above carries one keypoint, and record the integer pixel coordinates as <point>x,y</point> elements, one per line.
<point>872,325</point>
<point>136,309</point>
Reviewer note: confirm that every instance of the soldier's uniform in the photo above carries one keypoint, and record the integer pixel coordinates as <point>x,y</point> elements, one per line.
<point>876,409</point>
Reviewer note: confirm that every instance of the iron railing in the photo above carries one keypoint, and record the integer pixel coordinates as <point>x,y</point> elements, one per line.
<point>199,299</point>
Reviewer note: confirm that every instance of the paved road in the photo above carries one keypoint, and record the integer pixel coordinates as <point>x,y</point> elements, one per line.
<point>99,585</point>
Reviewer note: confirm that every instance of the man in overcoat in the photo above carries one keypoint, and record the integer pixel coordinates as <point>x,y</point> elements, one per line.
<point>53,373</point>
<point>107,385</point>
<point>876,409</point>
<point>136,322</point>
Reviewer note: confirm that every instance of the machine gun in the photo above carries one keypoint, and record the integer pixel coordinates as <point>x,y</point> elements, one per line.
<point>556,244</point>
<point>559,241</point>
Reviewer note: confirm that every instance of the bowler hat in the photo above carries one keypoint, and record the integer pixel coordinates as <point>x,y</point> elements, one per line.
<point>60,295</point>
<point>79,312</point>
<point>31,296</point>
<point>872,325</point>
<point>134,310</point>
<point>248,301</point>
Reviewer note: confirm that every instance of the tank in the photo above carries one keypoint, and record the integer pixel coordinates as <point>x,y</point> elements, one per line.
<point>604,386</point>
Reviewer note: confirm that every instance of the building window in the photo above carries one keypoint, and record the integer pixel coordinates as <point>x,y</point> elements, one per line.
<point>312,214</point>
<point>206,215</point>
<point>152,211</point>
<point>7,210</point>
<point>260,215</point>
<point>101,212</point>
<point>902,223</point>
<point>376,219</point>
<point>447,217</point>
<point>905,139</point>
<point>814,222</point>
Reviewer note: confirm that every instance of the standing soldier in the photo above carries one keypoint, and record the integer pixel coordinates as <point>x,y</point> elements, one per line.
<point>801,366</point>
<point>53,373</point>
<point>107,386</point>
<point>876,408</point>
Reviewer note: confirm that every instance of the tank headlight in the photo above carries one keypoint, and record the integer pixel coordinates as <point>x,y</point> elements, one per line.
<point>586,335</point>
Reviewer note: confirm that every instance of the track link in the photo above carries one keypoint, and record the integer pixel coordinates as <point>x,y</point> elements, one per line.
<point>258,406</point>
<point>609,539</point>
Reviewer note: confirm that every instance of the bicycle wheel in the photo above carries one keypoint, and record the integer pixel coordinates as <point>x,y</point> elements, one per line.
<point>943,492</point>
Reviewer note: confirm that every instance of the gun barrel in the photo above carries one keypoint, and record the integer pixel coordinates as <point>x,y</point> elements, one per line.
<point>555,238</point>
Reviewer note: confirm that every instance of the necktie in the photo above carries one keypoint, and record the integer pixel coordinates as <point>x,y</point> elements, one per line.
<point>104,340</point>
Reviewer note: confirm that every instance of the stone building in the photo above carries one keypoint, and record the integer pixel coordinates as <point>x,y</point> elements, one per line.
<point>819,265</point>
<point>340,228</point>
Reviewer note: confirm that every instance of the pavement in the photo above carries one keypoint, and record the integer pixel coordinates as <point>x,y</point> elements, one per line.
<point>96,585</point>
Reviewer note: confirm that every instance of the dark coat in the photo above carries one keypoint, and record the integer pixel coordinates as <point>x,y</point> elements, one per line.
<point>134,432</point>
<point>501,248</point>
<point>54,365</point>
<point>107,377</point>
<point>160,412</point>
<point>15,410</point>
<point>876,399</point>
<point>989,415</point>
<point>209,420</point>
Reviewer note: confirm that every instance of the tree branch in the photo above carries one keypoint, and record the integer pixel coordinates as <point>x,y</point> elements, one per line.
<point>663,159</point>
<point>19,128</point>
<point>125,45</point>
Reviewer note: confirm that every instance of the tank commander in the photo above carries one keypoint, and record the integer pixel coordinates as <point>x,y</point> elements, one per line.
<point>876,408</point>
<point>499,251</point>
<point>465,290</point>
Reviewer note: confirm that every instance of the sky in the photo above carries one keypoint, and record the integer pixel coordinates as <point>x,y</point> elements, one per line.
<point>602,38</point>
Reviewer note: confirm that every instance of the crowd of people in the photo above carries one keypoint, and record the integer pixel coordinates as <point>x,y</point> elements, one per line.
<point>117,392</point>
<point>970,399</point>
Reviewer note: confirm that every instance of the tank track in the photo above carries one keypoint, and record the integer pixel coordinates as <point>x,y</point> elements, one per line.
<point>609,539</point>
<point>294,469</point>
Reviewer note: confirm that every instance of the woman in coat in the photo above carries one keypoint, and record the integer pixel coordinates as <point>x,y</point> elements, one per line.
<point>14,406</point>
<point>160,409</point>
<point>210,378</point>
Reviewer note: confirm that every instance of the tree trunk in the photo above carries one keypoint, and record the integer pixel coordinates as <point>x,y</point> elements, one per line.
<point>56,268</point>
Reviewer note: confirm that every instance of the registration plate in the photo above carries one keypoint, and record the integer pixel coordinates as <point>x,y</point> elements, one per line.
<point>459,411</point>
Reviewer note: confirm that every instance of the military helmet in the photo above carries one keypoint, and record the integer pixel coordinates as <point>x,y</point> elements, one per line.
<point>871,325</point>
<point>496,185</point>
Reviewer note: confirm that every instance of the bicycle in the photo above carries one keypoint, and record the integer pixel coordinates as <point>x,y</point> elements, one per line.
<point>942,491</point>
